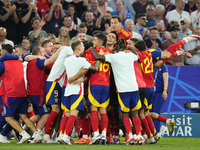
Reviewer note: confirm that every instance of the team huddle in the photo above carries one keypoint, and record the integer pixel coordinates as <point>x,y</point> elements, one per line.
<point>90,84</point>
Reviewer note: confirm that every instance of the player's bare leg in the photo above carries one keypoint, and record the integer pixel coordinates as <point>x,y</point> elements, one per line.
<point>41,123</point>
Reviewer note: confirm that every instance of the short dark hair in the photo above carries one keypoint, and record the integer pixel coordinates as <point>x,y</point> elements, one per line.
<point>89,11</point>
<point>35,50</point>
<point>8,48</point>
<point>140,15</point>
<point>140,45</point>
<point>153,28</point>
<point>45,42</point>
<point>107,21</point>
<point>122,2</point>
<point>70,5</point>
<point>117,17</point>
<point>82,25</point>
<point>80,32</point>
<point>17,46</point>
<point>75,44</point>
<point>87,44</point>
<point>114,32</point>
<point>102,37</point>
<point>65,16</point>
<point>134,40</point>
<point>26,38</point>
<point>109,12</point>
<point>35,18</point>
<point>96,32</point>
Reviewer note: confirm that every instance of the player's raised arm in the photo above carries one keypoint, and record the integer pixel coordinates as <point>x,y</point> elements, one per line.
<point>53,58</point>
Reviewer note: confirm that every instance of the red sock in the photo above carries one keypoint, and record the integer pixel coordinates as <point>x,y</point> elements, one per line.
<point>104,122</point>
<point>84,126</point>
<point>78,126</point>
<point>117,127</point>
<point>162,119</point>
<point>88,127</point>
<point>127,125</point>
<point>137,125</point>
<point>173,55</point>
<point>50,121</point>
<point>145,127</point>
<point>151,125</point>
<point>108,133</point>
<point>63,123</point>
<point>173,48</point>
<point>143,132</point>
<point>94,121</point>
<point>70,124</point>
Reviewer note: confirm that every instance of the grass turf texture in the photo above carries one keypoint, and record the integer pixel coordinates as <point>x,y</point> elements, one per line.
<point>164,144</point>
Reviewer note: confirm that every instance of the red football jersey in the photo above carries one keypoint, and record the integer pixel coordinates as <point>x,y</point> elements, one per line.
<point>124,34</point>
<point>147,67</point>
<point>139,76</point>
<point>42,5</point>
<point>2,92</point>
<point>102,76</point>
<point>35,79</point>
<point>14,79</point>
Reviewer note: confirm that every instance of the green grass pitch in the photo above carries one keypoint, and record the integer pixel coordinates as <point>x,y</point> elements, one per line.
<point>163,144</point>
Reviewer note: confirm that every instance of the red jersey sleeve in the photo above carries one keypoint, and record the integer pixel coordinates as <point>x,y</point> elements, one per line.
<point>89,57</point>
<point>124,34</point>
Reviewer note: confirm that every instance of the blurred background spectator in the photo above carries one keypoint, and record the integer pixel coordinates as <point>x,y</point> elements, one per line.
<point>153,41</point>
<point>75,20</point>
<point>140,6</point>
<point>54,17</point>
<point>63,37</point>
<point>174,30</point>
<point>150,12</point>
<point>178,13</point>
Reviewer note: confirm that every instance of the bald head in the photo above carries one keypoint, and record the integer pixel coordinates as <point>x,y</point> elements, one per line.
<point>129,24</point>
<point>3,31</point>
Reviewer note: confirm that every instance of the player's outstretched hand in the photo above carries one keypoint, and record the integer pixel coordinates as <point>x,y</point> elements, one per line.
<point>101,52</point>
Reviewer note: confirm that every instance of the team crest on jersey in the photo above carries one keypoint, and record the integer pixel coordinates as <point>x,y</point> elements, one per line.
<point>149,54</point>
<point>56,100</point>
